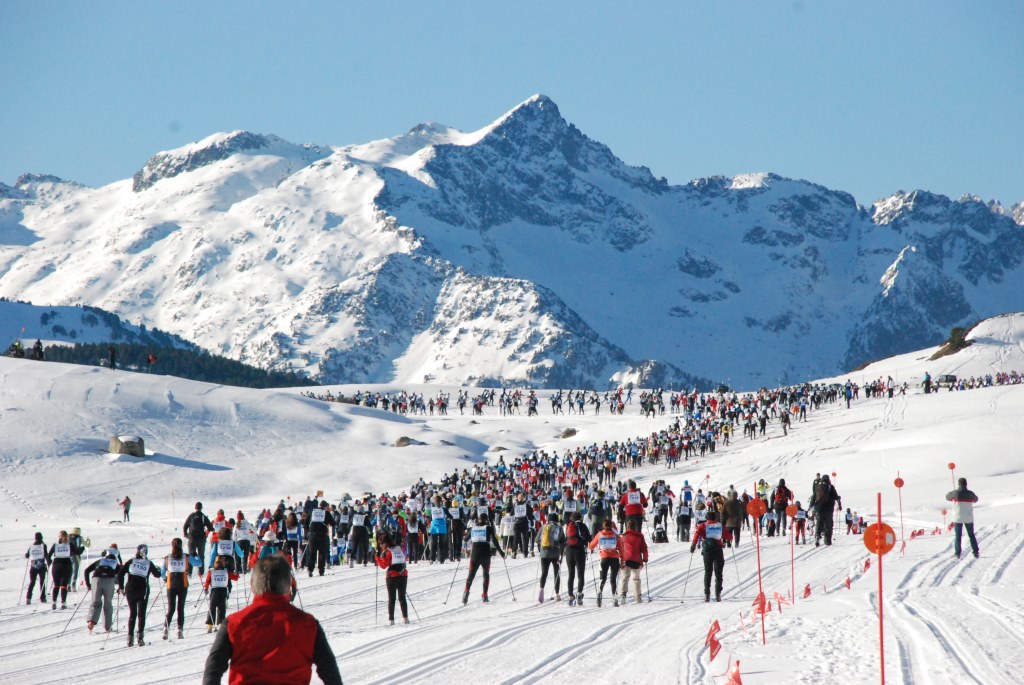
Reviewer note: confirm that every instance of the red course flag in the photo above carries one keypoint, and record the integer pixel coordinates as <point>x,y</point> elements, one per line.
<point>807,590</point>
<point>743,624</point>
<point>734,675</point>
<point>711,632</point>
<point>781,599</point>
<point>716,647</point>
<point>847,582</point>
<point>867,564</point>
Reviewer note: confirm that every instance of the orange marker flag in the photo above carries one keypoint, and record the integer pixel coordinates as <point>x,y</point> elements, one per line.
<point>711,632</point>
<point>716,647</point>
<point>734,675</point>
<point>807,590</point>
<point>847,582</point>
<point>867,564</point>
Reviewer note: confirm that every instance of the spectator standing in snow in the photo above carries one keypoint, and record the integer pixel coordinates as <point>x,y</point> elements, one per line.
<point>963,516</point>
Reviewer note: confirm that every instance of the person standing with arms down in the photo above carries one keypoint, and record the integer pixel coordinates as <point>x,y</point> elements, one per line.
<point>392,559</point>
<point>634,556</point>
<point>271,641</point>
<point>963,516</point>
<point>196,526</point>
<point>712,536</point>
<point>482,537</point>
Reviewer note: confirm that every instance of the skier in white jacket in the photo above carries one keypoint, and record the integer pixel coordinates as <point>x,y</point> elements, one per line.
<point>963,515</point>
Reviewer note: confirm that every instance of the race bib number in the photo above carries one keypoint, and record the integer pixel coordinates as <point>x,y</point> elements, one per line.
<point>62,551</point>
<point>714,531</point>
<point>139,567</point>
<point>769,516</point>
<point>217,525</point>
<point>801,515</point>
<point>685,511</point>
<point>108,562</point>
<point>357,520</point>
<point>414,526</point>
<point>455,512</point>
<point>345,518</point>
<point>317,515</point>
<point>36,553</point>
<point>661,489</point>
<point>570,506</point>
<point>397,556</point>
<point>664,501</point>
<point>478,534</point>
<point>607,543</point>
<point>482,510</point>
<point>633,498</point>
<point>520,511</point>
<point>225,548</point>
<point>219,578</point>
<point>176,565</point>
<point>437,513</point>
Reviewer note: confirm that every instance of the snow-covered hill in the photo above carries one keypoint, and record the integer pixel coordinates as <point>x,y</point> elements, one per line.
<point>523,252</point>
<point>947,620</point>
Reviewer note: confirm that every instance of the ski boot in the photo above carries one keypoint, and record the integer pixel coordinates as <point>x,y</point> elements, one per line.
<point>558,596</point>
<point>579,599</point>
<point>707,596</point>
<point>165,632</point>
<point>540,596</point>
<point>572,601</point>
<point>485,600</point>
<point>142,643</point>
<point>465,597</point>
<point>718,596</point>
<point>131,640</point>
<point>598,599</point>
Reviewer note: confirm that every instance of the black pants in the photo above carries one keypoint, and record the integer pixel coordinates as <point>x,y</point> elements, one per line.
<point>576,562</point>
<point>61,573</point>
<point>714,562</point>
<point>958,530</point>
<point>137,612</point>
<point>176,600</point>
<point>396,590</point>
<point>609,564</point>
<point>823,525</point>
<point>197,547</point>
<point>481,561</point>
<point>521,542</point>
<point>357,549</point>
<point>218,606</point>
<point>780,516</point>
<point>735,532</point>
<point>316,552</point>
<point>293,547</point>
<point>246,548</point>
<point>682,528</point>
<point>36,573</point>
<point>415,549</point>
<point>544,565</point>
<point>438,547</point>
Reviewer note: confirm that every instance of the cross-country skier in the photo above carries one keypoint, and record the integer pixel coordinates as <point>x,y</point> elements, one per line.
<point>392,560</point>
<point>136,590</point>
<point>552,543</point>
<point>963,516</point>
<point>712,536</point>
<point>609,545</point>
<point>60,569</point>
<point>577,537</point>
<point>634,556</point>
<point>482,538</point>
<point>38,563</point>
<point>104,571</point>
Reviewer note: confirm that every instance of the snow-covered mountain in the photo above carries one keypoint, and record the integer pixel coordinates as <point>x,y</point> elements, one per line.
<point>523,252</point>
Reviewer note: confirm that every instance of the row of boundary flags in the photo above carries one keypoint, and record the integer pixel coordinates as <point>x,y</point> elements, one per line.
<point>714,646</point>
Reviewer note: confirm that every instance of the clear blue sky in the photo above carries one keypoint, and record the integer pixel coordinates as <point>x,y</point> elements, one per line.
<point>867,97</point>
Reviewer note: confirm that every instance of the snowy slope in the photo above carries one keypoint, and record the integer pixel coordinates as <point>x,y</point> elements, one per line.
<point>344,261</point>
<point>947,621</point>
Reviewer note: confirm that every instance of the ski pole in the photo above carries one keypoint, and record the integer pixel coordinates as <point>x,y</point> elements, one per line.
<point>117,613</point>
<point>75,612</point>
<point>593,575</point>
<point>687,582</point>
<point>193,621</point>
<point>376,590</point>
<point>509,576</point>
<point>418,619</point>
<point>454,576</point>
<point>23,579</point>
<point>648,577</point>
<point>736,564</point>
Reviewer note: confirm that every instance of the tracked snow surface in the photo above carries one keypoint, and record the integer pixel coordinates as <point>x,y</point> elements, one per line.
<point>947,620</point>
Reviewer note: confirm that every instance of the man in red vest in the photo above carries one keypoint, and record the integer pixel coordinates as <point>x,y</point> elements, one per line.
<point>271,641</point>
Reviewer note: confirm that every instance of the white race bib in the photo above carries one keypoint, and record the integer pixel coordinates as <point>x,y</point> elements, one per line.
<point>437,513</point>
<point>357,519</point>
<point>607,542</point>
<point>225,548</point>
<point>414,526</point>
<point>176,565</point>
<point>478,534</point>
<point>664,501</point>
<point>139,567</point>
<point>520,511</point>
<point>36,553</point>
<point>317,516</point>
<point>455,512</point>
<point>62,550</point>
<point>218,578</point>
<point>482,510</point>
<point>397,556</point>
<point>713,531</point>
<point>684,510</point>
<point>633,497</point>
<point>801,515</point>
<point>570,506</point>
<point>217,525</point>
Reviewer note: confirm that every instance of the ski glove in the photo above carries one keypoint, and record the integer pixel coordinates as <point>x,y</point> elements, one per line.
<point>693,548</point>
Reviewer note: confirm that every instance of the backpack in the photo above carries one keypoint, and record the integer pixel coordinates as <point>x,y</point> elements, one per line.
<point>196,525</point>
<point>660,535</point>
<point>572,537</point>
